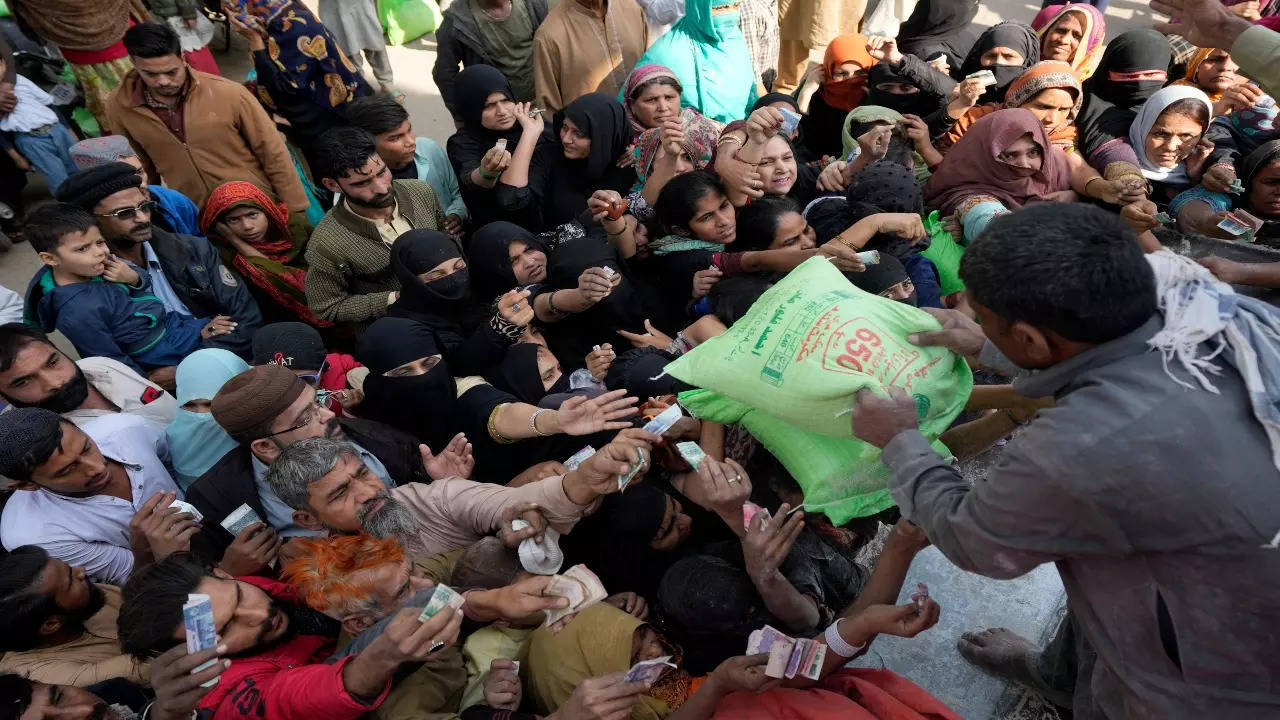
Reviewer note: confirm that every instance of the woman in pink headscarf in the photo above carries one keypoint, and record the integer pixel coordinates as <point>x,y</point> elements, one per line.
<point>1073,34</point>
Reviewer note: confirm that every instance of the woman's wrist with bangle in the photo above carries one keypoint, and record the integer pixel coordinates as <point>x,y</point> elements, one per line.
<point>533,421</point>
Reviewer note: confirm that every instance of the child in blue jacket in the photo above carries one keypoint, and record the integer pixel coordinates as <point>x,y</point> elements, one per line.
<point>103,306</point>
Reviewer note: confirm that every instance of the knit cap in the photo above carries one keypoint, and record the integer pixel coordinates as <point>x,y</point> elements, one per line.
<point>100,151</point>
<point>294,345</point>
<point>87,188</point>
<point>18,428</point>
<point>254,397</point>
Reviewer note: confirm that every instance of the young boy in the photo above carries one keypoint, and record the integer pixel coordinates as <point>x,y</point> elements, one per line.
<point>104,306</point>
<point>41,138</point>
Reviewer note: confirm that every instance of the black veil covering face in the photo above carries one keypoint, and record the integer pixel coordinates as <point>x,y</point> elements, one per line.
<point>917,103</point>
<point>425,404</point>
<point>441,301</point>
<point>1112,97</point>
<point>1010,34</point>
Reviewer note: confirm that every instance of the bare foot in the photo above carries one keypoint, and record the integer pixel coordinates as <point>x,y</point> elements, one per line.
<point>1008,655</point>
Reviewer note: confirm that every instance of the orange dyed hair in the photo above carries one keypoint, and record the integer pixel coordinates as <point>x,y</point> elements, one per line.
<point>324,574</point>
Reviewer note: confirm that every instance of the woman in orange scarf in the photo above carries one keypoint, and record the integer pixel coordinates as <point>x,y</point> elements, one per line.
<point>1213,71</point>
<point>1049,89</point>
<point>265,244</point>
<point>841,87</point>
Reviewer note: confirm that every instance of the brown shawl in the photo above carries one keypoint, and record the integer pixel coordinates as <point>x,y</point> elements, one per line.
<point>85,25</point>
<point>971,167</point>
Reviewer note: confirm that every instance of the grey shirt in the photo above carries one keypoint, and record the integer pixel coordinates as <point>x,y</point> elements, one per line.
<point>1154,500</point>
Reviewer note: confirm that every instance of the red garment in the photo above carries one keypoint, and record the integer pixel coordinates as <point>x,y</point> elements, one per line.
<point>202,60</point>
<point>851,694</point>
<point>287,682</point>
<point>93,57</point>
<point>846,94</point>
<point>277,275</point>
<point>334,378</point>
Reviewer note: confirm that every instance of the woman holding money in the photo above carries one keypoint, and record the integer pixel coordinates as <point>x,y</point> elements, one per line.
<point>481,150</point>
<point>841,86</point>
<point>785,676</point>
<point>1199,210</point>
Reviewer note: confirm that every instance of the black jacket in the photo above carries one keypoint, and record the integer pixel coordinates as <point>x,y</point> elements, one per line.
<point>208,288</point>
<point>458,42</point>
<point>229,483</point>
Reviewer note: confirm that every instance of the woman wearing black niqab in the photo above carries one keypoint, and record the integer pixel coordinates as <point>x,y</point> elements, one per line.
<point>1133,67</point>
<point>471,336</point>
<point>397,391</point>
<point>1016,36</point>
<point>558,186</point>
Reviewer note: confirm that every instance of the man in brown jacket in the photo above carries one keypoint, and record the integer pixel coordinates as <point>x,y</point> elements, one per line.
<point>197,130</point>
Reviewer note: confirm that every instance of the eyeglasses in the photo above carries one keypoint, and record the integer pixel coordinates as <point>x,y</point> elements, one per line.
<point>322,397</point>
<point>313,379</point>
<point>126,214</point>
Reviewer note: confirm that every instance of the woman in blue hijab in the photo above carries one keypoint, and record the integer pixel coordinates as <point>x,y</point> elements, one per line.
<point>709,56</point>
<point>196,442</point>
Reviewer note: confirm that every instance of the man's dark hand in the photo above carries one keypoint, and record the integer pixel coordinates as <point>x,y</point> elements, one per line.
<point>959,334</point>
<point>177,690</point>
<point>877,420</point>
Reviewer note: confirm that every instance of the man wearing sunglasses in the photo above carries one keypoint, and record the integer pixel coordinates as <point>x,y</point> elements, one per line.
<point>185,271</point>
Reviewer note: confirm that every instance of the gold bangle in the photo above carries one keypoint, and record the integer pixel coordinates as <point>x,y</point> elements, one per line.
<point>493,426</point>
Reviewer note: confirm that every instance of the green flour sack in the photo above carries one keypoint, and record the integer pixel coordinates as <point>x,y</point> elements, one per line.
<point>789,370</point>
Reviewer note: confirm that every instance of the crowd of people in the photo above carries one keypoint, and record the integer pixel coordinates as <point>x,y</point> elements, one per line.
<point>328,366</point>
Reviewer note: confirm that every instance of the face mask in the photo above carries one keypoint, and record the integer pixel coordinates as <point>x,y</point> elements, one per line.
<point>452,287</point>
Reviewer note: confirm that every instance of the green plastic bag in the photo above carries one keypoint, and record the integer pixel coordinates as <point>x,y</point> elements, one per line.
<point>406,20</point>
<point>789,370</point>
<point>945,253</point>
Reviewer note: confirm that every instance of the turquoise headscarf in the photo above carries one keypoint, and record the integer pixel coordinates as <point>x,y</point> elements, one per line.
<point>709,56</point>
<point>196,442</point>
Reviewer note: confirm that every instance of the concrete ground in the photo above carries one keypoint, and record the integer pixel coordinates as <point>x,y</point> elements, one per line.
<point>1030,605</point>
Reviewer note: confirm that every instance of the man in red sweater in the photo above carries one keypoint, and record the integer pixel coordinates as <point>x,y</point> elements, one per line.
<point>274,647</point>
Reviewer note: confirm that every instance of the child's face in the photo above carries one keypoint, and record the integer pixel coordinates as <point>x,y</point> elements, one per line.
<point>82,255</point>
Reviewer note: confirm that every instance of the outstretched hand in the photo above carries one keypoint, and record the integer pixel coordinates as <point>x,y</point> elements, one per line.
<point>455,460</point>
<point>1206,23</point>
<point>582,416</point>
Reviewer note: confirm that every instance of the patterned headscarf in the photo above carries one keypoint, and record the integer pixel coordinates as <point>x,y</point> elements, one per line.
<point>282,273</point>
<point>700,134</point>
<point>1046,75</point>
<point>307,55</point>
<point>1089,52</point>
<point>640,76</point>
